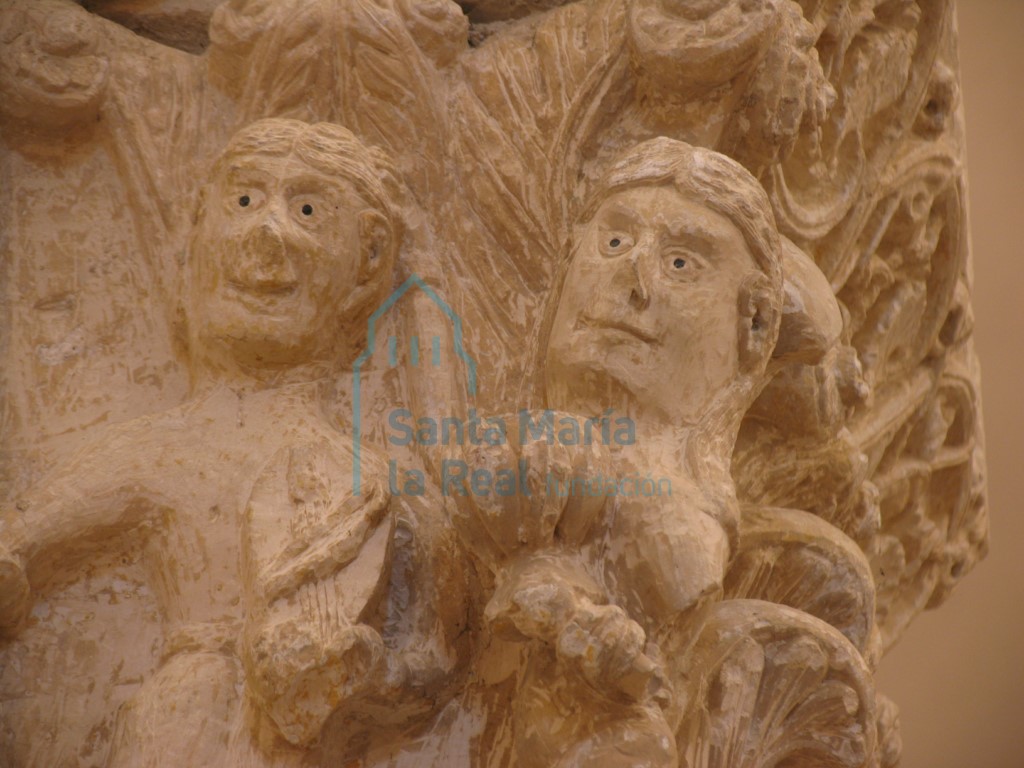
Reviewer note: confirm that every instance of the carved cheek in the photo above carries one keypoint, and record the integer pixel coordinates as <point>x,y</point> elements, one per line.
<point>210,260</point>
<point>329,279</point>
<point>686,303</point>
<point>584,279</point>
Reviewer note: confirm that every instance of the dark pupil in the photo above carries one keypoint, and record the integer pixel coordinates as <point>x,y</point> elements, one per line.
<point>679,263</point>
<point>615,243</point>
<point>307,210</point>
<point>243,200</point>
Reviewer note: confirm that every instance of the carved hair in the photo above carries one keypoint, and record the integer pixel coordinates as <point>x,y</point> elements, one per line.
<point>329,149</point>
<point>709,177</point>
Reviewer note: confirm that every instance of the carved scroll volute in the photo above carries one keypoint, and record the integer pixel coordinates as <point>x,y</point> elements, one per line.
<point>912,253</point>
<point>774,686</point>
<point>930,496</point>
<point>819,192</point>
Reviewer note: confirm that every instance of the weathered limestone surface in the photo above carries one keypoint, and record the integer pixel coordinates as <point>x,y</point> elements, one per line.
<point>536,383</point>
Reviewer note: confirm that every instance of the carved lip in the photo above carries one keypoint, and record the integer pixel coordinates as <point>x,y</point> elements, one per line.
<point>618,324</point>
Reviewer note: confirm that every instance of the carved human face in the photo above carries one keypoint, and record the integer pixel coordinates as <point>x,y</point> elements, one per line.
<point>277,261</point>
<point>650,307</point>
<point>51,73</point>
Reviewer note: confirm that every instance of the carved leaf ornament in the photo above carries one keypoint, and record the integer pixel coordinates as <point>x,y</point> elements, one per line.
<point>549,382</point>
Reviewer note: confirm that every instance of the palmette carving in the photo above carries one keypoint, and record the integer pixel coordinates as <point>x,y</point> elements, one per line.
<point>696,272</point>
<point>774,686</point>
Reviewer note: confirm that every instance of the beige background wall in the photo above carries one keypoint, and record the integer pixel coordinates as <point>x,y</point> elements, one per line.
<point>958,674</point>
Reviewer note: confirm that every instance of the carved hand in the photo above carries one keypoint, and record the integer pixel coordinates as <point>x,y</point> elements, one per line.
<point>607,648</point>
<point>552,598</point>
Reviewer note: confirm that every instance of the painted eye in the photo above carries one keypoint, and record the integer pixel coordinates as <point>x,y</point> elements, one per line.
<point>307,210</point>
<point>244,201</point>
<point>613,244</point>
<point>680,264</point>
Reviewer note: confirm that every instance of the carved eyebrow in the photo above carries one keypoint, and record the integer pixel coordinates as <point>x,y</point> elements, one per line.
<point>692,235</point>
<point>237,173</point>
<point>339,189</point>
<point>313,183</point>
<point>619,212</point>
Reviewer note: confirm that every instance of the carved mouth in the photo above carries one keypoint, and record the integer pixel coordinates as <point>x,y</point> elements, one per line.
<point>269,288</point>
<point>616,324</point>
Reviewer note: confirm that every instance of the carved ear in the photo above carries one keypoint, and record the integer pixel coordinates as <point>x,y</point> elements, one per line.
<point>811,320</point>
<point>759,317</point>
<point>374,245</point>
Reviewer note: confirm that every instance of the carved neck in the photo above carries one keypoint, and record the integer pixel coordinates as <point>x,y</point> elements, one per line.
<point>700,446</point>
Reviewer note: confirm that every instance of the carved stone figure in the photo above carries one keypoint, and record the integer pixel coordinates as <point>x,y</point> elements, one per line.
<point>266,564</point>
<point>669,315</point>
<point>679,249</point>
<point>699,269</point>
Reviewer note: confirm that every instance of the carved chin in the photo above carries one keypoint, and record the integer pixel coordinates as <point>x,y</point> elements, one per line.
<point>614,351</point>
<point>257,338</point>
<point>578,381</point>
<point>267,348</point>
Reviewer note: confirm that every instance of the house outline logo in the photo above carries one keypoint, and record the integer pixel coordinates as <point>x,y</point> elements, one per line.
<point>414,281</point>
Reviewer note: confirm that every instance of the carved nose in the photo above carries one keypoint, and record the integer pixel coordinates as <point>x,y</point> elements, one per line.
<point>639,291</point>
<point>265,246</point>
<point>265,262</point>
